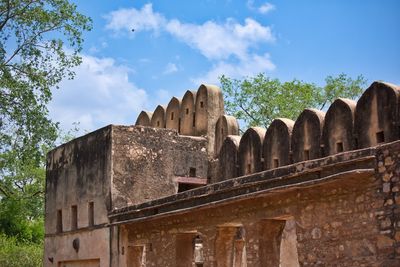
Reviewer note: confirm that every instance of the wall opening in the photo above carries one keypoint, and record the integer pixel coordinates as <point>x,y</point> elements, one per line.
<point>182,187</point>
<point>136,256</point>
<point>188,249</point>
<point>59,221</point>
<point>355,143</point>
<point>239,250</point>
<point>278,243</point>
<point>158,123</point>
<point>201,104</point>
<point>74,217</point>
<point>276,163</point>
<point>172,116</point>
<point>230,246</point>
<point>306,154</point>
<point>91,213</point>
<point>339,147</point>
<point>192,172</point>
<point>198,256</point>
<point>380,137</point>
<point>187,111</point>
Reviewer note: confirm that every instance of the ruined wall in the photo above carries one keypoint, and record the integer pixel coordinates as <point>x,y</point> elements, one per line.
<point>351,221</point>
<point>347,125</point>
<point>77,177</point>
<point>146,162</point>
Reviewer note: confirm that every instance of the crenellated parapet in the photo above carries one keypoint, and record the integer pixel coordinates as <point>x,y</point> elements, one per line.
<point>196,114</point>
<point>277,143</point>
<point>377,115</point>
<point>347,125</point>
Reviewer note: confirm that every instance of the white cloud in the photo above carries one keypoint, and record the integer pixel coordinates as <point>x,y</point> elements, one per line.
<point>220,41</point>
<point>170,68</point>
<point>135,19</point>
<point>265,8</point>
<point>214,40</point>
<point>230,46</point>
<point>250,66</point>
<point>100,94</point>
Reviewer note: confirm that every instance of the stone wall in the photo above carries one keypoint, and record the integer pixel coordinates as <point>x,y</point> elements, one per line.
<point>78,200</point>
<point>146,162</point>
<point>346,126</point>
<point>196,115</point>
<point>352,220</point>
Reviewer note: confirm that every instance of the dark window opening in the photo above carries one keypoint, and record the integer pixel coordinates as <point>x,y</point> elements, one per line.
<point>158,123</point>
<point>182,187</point>
<point>59,221</point>
<point>192,172</point>
<point>276,163</point>
<point>201,104</point>
<point>172,116</point>
<point>74,217</point>
<point>187,111</point>
<point>306,154</point>
<point>380,137</point>
<point>339,147</point>
<point>194,119</point>
<point>91,213</point>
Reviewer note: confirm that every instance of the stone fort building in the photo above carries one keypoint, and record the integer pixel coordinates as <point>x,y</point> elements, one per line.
<point>181,188</point>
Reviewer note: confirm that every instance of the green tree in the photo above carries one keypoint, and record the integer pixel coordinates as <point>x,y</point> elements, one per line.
<point>258,100</point>
<point>40,41</point>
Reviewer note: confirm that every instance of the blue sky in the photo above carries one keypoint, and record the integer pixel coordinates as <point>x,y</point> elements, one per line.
<point>177,45</point>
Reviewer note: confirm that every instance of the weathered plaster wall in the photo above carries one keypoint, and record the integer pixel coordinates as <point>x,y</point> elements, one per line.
<point>78,172</point>
<point>146,161</point>
<point>93,249</point>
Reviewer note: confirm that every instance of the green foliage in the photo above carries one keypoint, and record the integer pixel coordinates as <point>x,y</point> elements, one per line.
<point>40,41</point>
<point>14,253</point>
<point>258,100</point>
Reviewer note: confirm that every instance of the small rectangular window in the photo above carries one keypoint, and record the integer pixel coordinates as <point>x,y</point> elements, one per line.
<point>158,123</point>
<point>339,147</point>
<point>192,172</point>
<point>91,213</point>
<point>380,137</point>
<point>74,217</point>
<point>306,154</point>
<point>59,221</point>
<point>187,111</point>
<point>201,104</point>
<point>172,116</point>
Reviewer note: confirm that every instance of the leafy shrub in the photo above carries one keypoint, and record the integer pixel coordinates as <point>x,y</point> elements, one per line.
<point>14,253</point>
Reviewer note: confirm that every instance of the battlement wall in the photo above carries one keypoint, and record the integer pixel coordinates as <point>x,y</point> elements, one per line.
<point>347,125</point>
<point>196,114</point>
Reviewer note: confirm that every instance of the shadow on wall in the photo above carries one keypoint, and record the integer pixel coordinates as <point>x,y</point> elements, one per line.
<point>346,126</point>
